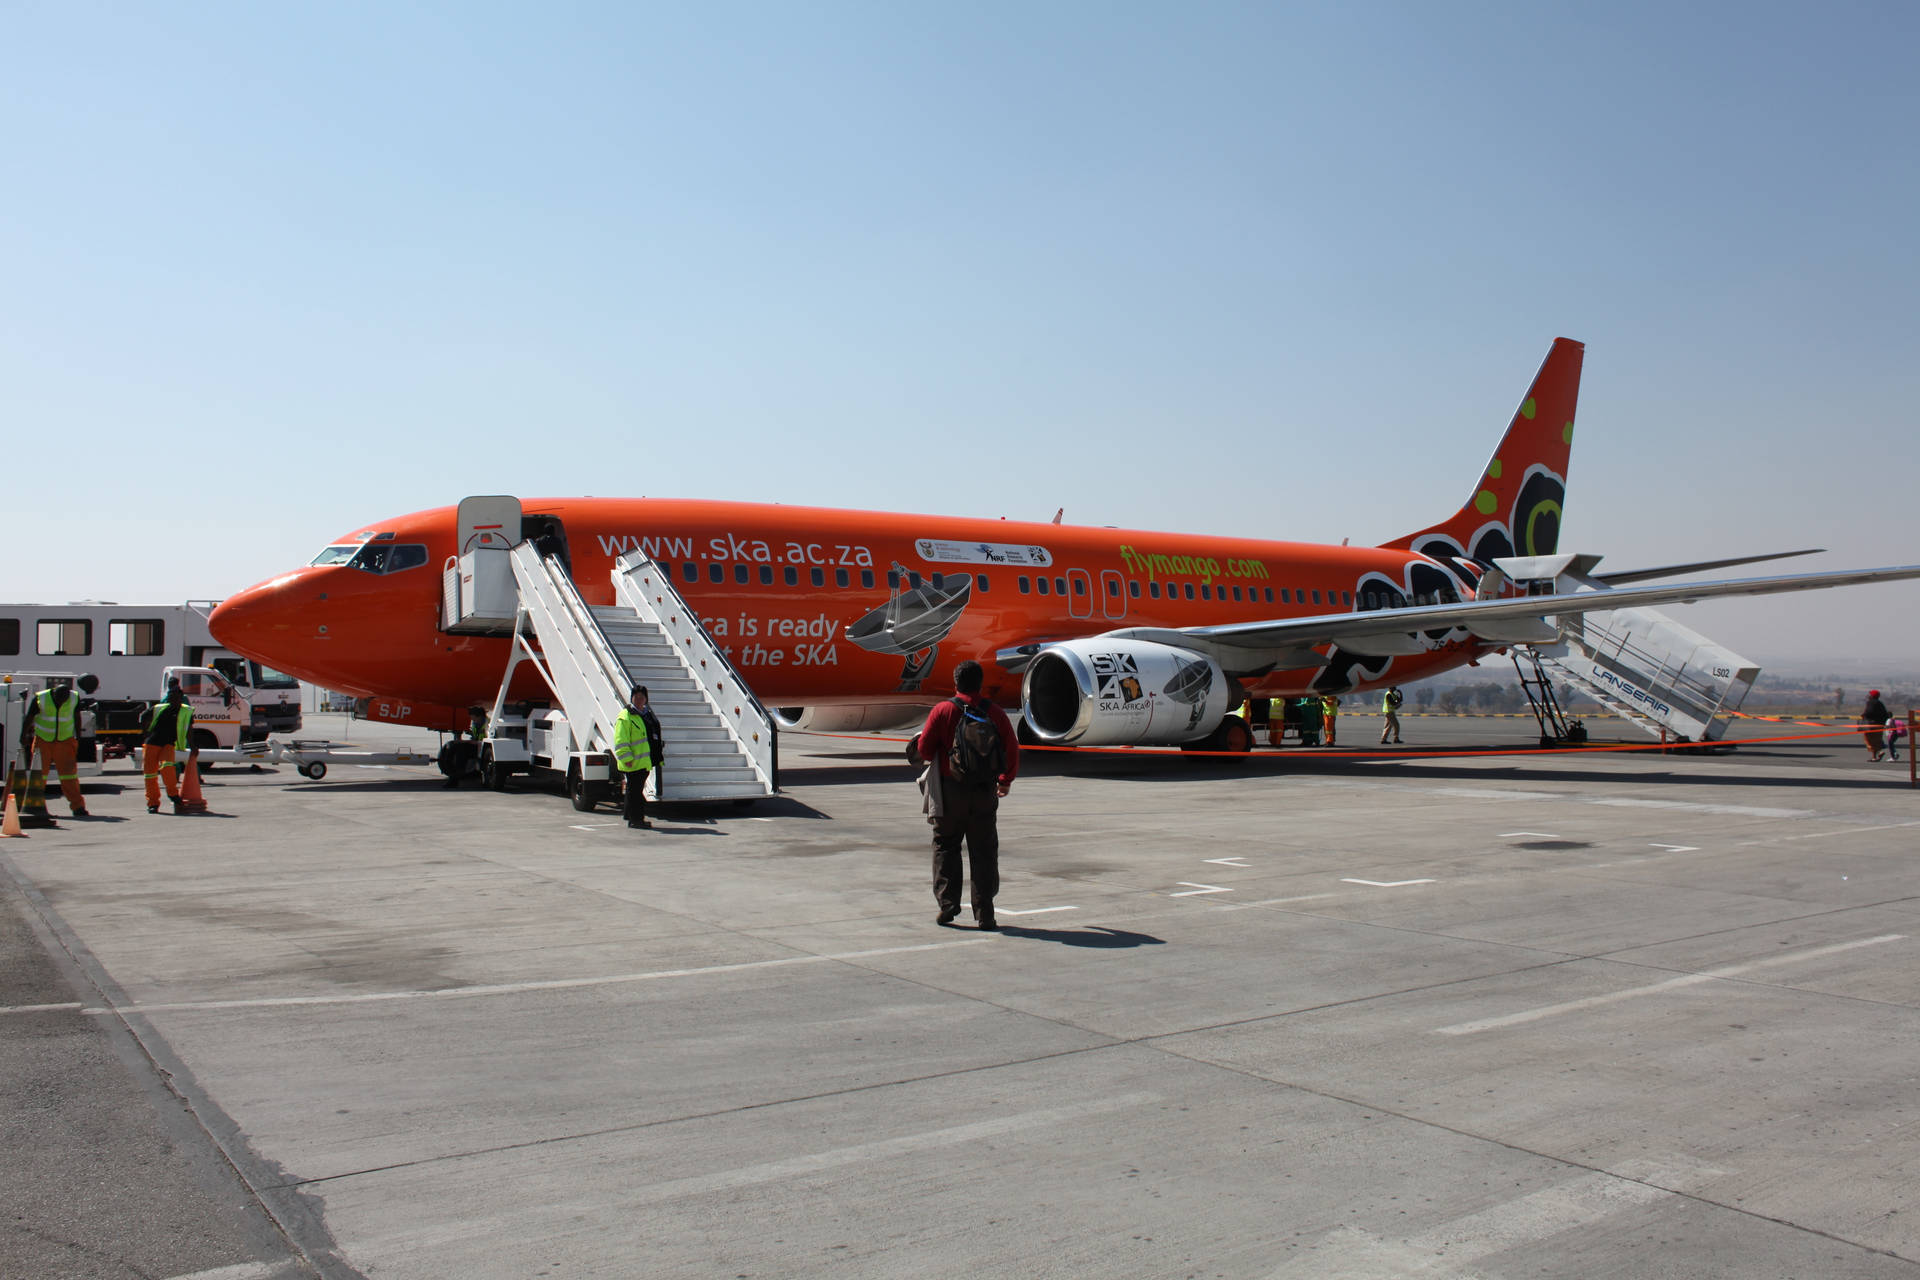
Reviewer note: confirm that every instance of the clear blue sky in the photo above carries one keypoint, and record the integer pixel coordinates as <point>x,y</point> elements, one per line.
<point>272,271</point>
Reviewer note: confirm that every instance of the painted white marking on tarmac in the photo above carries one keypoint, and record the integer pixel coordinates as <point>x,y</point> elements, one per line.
<point>1538,835</point>
<point>1196,888</point>
<point>42,1008</point>
<point>1386,884</point>
<point>1842,831</point>
<point>1446,1249</point>
<point>1675,848</point>
<point>1658,988</point>
<point>1302,897</point>
<point>238,1271</point>
<point>800,1166</point>
<point>1229,862</point>
<point>527,1217</point>
<point>1035,911</point>
<point>1690,806</point>
<point>517,988</point>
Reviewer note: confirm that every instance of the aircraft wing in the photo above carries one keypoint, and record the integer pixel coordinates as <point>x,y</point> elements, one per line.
<point>1250,646</point>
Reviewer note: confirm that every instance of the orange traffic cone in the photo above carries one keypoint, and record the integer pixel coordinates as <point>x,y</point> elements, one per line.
<point>33,801</point>
<point>190,798</point>
<point>10,824</point>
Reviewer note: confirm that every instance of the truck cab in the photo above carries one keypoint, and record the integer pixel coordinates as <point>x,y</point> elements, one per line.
<point>221,712</point>
<point>273,695</point>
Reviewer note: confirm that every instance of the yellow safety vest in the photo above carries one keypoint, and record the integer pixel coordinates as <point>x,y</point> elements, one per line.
<point>181,723</point>
<point>55,723</point>
<point>632,748</point>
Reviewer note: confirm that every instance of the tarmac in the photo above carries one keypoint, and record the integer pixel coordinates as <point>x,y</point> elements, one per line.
<point>1308,1014</point>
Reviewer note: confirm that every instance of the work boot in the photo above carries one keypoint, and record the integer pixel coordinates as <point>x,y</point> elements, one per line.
<point>153,808</point>
<point>947,915</point>
<point>178,804</point>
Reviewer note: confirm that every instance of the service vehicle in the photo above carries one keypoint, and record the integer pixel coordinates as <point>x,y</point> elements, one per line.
<point>131,648</point>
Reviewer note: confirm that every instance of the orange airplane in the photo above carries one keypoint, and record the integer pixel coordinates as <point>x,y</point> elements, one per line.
<point>1099,636</point>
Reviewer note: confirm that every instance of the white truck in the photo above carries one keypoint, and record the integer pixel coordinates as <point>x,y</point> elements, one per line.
<point>132,649</point>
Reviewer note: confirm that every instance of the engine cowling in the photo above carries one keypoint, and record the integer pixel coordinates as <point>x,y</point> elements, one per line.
<point>863,716</point>
<point>1102,693</point>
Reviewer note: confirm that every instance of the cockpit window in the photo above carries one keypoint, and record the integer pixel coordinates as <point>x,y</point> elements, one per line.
<point>375,557</point>
<point>389,557</point>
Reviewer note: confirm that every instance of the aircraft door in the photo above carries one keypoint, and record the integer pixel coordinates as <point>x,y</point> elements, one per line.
<point>1113,595</point>
<point>1080,593</point>
<point>548,536</point>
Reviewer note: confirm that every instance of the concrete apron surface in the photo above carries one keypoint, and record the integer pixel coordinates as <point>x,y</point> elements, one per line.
<point>1554,1016</point>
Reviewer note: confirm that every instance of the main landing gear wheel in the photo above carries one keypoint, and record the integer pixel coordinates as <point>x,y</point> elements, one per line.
<point>492,775</point>
<point>314,771</point>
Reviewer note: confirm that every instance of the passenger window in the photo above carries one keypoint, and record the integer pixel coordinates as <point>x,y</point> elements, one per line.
<point>132,638</point>
<point>1269,591</point>
<point>866,577</point>
<point>741,574</point>
<point>1079,586</point>
<point>1153,589</point>
<point>1113,586</point>
<point>766,575</point>
<point>690,571</point>
<point>1206,592</point>
<point>1346,598</point>
<point>1316,596</point>
<point>65,639</point>
<point>819,577</point>
<point>841,578</point>
<point>716,573</point>
<point>1026,584</point>
<point>1286,595</point>
<point>1189,587</point>
<point>980,581</point>
<point>1133,588</point>
<point>793,576</point>
<point>1059,586</point>
<point>1044,588</point>
<point>1236,593</point>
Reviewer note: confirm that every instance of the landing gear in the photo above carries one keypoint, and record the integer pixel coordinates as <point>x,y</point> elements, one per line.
<point>1232,734</point>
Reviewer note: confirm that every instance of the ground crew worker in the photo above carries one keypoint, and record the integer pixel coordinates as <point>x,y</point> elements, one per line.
<point>1331,704</point>
<point>1390,707</point>
<point>633,755</point>
<point>1311,711</point>
<point>476,722</point>
<point>168,729</point>
<point>56,732</point>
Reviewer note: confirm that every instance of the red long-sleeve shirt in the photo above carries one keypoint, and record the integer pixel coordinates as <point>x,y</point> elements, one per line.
<point>936,736</point>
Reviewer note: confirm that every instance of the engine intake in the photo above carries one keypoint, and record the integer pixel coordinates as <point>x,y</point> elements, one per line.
<point>1102,693</point>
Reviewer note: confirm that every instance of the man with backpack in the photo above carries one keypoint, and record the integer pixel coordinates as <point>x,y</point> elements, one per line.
<point>971,745</point>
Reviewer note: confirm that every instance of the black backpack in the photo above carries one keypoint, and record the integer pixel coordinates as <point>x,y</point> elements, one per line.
<point>977,758</point>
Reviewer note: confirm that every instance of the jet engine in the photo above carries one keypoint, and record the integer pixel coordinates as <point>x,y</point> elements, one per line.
<point>854,718</point>
<point>1099,693</point>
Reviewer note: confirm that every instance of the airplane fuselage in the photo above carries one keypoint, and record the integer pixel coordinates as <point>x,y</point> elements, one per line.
<point>818,606</point>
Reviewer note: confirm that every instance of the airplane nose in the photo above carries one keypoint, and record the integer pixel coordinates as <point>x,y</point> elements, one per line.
<point>267,622</point>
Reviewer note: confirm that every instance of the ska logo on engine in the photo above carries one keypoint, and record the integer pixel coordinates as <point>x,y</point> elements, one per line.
<point>1119,675</point>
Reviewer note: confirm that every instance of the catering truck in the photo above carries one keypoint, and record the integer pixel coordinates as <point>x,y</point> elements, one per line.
<point>133,648</point>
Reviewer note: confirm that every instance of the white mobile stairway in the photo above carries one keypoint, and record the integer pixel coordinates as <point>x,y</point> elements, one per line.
<point>1668,680</point>
<point>720,742</point>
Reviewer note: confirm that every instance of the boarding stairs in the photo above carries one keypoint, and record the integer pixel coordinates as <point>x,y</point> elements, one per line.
<point>720,742</point>
<point>1668,681</point>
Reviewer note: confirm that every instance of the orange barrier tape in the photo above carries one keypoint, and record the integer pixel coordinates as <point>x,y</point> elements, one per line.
<point>1324,753</point>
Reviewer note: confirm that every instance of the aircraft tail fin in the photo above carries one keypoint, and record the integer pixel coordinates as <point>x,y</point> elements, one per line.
<point>1515,509</point>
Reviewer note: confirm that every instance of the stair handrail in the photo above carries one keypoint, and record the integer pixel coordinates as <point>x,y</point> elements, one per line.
<point>755,733</point>
<point>544,584</point>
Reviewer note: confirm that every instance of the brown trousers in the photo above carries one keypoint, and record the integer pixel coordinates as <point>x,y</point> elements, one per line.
<point>62,759</point>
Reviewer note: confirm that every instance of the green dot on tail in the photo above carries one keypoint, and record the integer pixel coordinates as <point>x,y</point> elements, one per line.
<point>1528,409</point>
<point>1493,469</point>
<point>1484,502</point>
<point>1566,434</point>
